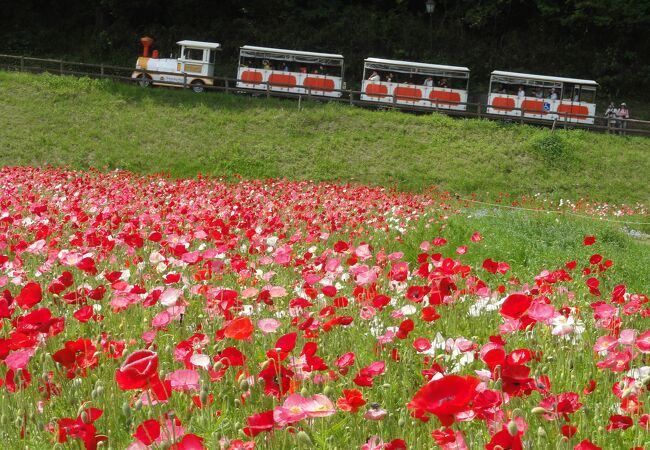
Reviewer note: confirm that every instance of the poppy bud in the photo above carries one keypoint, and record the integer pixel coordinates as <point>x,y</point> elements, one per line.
<point>217,366</point>
<point>244,385</point>
<point>538,410</point>
<point>204,396</point>
<point>541,432</point>
<point>401,422</point>
<point>126,410</point>
<point>84,416</point>
<point>304,392</point>
<point>237,402</point>
<point>138,405</point>
<point>512,428</point>
<point>304,438</point>
<point>171,414</point>
<point>328,391</point>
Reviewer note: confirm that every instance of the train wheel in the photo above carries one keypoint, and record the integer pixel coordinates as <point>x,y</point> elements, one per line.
<point>144,80</point>
<point>198,86</point>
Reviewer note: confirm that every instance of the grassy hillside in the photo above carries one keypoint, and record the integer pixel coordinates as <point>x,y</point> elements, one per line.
<point>51,120</point>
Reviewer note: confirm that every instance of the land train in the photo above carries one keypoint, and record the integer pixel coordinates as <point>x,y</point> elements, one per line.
<point>385,81</point>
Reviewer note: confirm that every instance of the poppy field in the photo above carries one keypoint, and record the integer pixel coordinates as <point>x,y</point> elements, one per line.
<point>145,312</point>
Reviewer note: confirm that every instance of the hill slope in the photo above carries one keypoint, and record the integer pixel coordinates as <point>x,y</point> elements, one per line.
<point>51,120</point>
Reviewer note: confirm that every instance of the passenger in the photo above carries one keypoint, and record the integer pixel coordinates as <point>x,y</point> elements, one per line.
<point>428,82</point>
<point>610,115</point>
<point>521,93</point>
<point>321,70</point>
<point>284,67</point>
<point>303,70</point>
<point>553,94</point>
<point>622,114</point>
<point>374,77</point>
<point>576,98</point>
<point>443,83</point>
<point>266,65</point>
<point>390,77</point>
<point>539,94</point>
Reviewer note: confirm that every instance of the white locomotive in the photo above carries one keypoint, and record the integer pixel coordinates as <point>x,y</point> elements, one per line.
<point>194,68</point>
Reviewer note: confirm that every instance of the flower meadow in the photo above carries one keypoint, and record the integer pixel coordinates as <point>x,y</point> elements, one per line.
<point>145,312</point>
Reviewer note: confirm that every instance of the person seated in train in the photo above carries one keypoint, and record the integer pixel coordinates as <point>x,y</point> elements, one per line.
<point>539,94</point>
<point>502,89</point>
<point>284,67</point>
<point>520,92</point>
<point>303,70</point>
<point>266,65</point>
<point>576,97</point>
<point>428,81</point>
<point>443,83</point>
<point>321,70</point>
<point>552,95</point>
<point>390,78</point>
<point>374,76</point>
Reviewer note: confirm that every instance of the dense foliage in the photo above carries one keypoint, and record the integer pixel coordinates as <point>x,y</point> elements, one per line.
<point>603,40</point>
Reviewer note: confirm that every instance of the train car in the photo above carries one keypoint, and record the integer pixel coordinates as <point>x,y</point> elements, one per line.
<point>542,97</point>
<point>194,67</point>
<point>291,71</point>
<point>415,84</point>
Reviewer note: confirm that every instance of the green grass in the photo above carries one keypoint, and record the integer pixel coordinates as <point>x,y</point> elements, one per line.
<point>62,121</point>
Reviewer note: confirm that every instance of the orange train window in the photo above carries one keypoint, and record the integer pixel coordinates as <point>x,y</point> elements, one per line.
<point>322,84</point>
<point>249,76</point>
<point>408,94</point>
<point>376,90</point>
<point>504,103</point>
<point>282,79</point>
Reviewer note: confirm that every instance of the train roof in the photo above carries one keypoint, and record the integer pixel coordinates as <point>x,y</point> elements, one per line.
<point>545,78</point>
<point>417,64</point>
<point>291,52</point>
<point>199,44</point>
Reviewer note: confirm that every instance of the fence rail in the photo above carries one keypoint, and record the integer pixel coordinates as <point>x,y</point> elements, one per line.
<point>353,97</point>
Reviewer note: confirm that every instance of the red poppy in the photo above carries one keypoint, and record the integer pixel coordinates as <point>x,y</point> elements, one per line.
<point>259,423</point>
<point>29,295</point>
<point>504,440</point>
<point>351,401</point>
<point>515,306</point>
<point>586,445</point>
<point>445,397</point>
<point>137,370</point>
<point>618,421</point>
<point>239,329</point>
<point>589,240</point>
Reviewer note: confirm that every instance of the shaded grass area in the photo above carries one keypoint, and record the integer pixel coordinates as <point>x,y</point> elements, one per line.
<point>82,123</point>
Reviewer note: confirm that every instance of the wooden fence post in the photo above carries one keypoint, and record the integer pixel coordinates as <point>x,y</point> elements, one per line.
<point>101,70</point>
<point>61,67</point>
<point>22,63</point>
